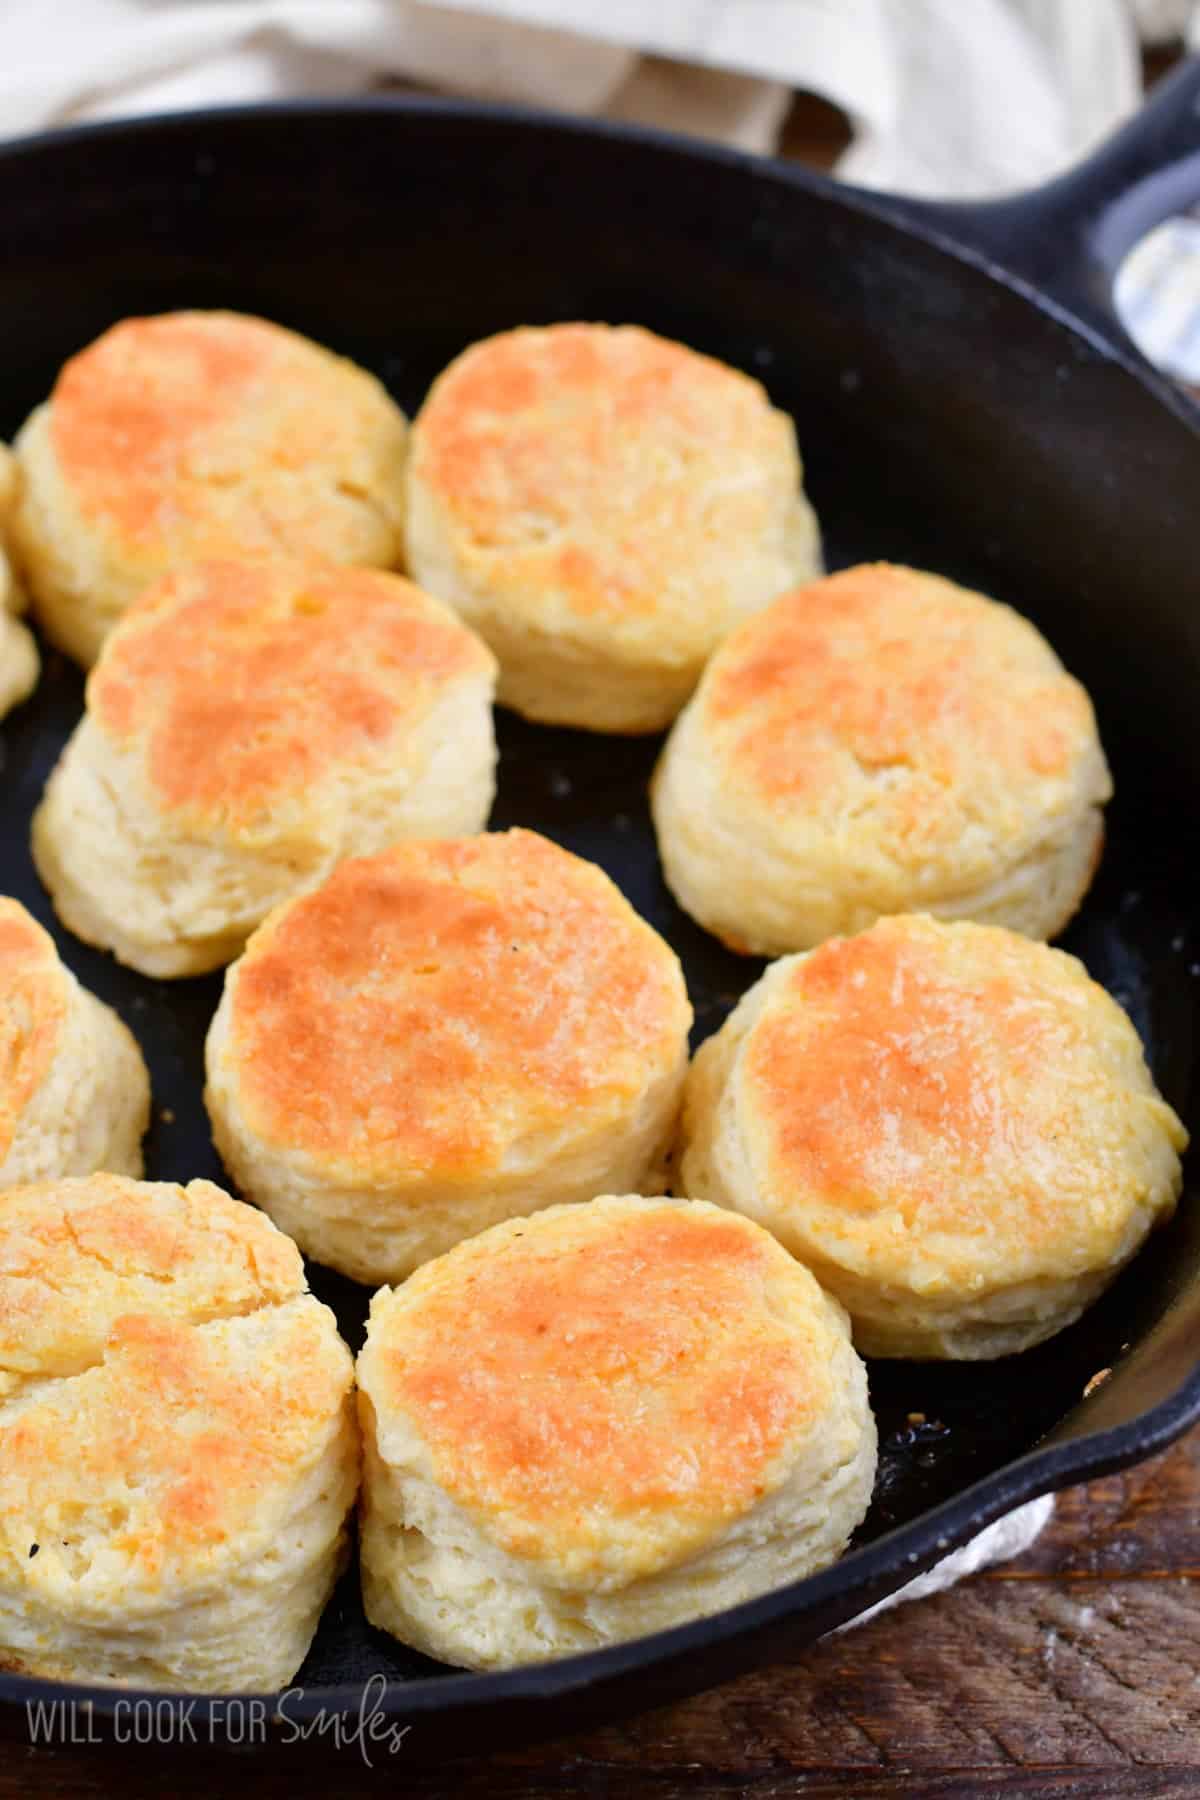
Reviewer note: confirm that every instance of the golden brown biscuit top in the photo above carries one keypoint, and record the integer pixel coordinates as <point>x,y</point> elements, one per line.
<point>10,595</point>
<point>435,1006</point>
<point>169,1458</point>
<point>606,1387</point>
<point>163,1375</point>
<point>248,680</point>
<point>34,991</point>
<point>956,1090</point>
<point>77,1255</point>
<point>189,426</point>
<point>891,696</point>
<point>595,462</point>
<point>8,480</point>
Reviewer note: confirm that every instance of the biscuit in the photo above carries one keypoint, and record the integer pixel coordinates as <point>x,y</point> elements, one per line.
<point>952,1126</point>
<point>178,1448</point>
<point>19,661</point>
<point>74,1092</point>
<point>194,435</point>
<point>440,1037</point>
<point>599,1422</point>
<point>19,664</point>
<point>880,742</point>
<point>9,480</point>
<point>603,505</point>
<point>248,725</point>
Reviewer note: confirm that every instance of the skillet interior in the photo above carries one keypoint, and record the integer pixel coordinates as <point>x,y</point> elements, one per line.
<point>946,420</point>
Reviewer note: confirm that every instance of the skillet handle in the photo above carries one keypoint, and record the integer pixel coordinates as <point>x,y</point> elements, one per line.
<point>1070,237</point>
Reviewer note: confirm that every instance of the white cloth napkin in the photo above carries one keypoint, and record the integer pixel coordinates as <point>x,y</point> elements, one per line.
<point>1009,1537</point>
<point>952,98</point>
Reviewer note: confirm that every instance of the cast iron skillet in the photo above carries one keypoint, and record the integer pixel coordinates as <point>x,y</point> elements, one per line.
<point>965,400</point>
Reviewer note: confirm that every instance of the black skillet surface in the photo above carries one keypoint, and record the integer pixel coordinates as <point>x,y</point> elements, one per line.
<point>951,416</point>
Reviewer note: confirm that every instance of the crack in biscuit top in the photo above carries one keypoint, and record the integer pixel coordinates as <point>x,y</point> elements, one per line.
<point>163,1371</point>
<point>955,1085</point>
<point>602,464</point>
<point>78,1254</point>
<point>173,1454</point>
<point>249,681</point>
<point>894,696</point>
<point>607,1387</point>
<point>34,991</point>
<point>433,1007</point>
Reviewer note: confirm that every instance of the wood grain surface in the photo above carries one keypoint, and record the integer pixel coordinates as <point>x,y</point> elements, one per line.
<point>1072,1673</point>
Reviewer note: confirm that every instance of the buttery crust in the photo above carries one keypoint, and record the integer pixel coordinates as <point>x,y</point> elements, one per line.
<point>177,1442</point>
<point>882,741</point>
<point>74,1092</point>
<point>952,1126</point>
<point>191,435</point>
<point>603,505</point>
<point>249,724</point>
<point>19,661</point>
<point>599,1421</point>
<point>439,1037</point>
